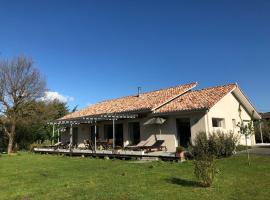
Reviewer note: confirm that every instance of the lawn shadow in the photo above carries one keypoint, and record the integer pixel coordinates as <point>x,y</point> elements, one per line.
<point>183,182</point>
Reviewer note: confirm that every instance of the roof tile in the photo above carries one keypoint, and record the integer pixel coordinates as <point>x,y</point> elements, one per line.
<point>197,99</point>
<point>145,102</point>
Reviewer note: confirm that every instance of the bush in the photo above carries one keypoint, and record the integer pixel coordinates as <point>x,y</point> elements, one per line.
<point>201,145</point>
<point>205,170</point>
<point>218,144</point>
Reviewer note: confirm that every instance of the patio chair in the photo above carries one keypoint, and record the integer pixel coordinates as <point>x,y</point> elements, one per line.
<point>57,145</point>
<point>89,144</point>
<point>158,145</point>
<point>109,144</point>
<point>82,146</point>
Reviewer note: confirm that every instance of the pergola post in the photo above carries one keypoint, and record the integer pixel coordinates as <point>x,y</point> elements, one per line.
<point>53,134</point>
<point>58,135</point>
<point>71,137</point>
<point>261,131</point>
<point>113,133</point>
<point>95,136</point>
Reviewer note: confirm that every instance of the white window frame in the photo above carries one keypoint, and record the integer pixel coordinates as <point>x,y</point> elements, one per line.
<point>220,122</point>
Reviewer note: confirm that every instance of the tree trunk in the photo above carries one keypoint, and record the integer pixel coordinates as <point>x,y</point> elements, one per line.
<point>10,144</point>
<point>247,151</point>
<point>11,138</point>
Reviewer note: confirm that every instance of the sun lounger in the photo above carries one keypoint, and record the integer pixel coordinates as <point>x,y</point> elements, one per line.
<point>56,145</point>
<point>137,146</point>
<point>158,145</point>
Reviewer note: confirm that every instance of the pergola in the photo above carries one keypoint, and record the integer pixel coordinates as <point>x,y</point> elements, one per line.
<point>93,119</point>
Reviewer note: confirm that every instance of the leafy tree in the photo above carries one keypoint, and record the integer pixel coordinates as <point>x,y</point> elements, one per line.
<point>246,129</point>
<point>33,126</point>
<point>20,83</point>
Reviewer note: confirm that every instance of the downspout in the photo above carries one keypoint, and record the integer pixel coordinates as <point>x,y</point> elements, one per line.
<point>207,121</point>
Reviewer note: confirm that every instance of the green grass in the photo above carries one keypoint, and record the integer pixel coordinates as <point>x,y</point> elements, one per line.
<point>29,176</point>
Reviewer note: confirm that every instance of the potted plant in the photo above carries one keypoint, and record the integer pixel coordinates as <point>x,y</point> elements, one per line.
<point>180,153</point>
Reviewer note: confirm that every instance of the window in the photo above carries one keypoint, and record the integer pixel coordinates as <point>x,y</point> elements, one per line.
<point>234,123</point>
<point>218,122</point>
<point>92,133</point>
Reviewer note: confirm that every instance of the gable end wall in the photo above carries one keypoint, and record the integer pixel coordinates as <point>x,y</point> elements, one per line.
<point>227,108</point>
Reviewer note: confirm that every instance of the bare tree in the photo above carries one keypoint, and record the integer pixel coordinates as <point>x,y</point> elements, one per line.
<point>20,83</point>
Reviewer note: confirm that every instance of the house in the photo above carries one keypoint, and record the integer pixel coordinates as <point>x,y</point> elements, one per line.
<point>187,112</point>
<point>266,115</point>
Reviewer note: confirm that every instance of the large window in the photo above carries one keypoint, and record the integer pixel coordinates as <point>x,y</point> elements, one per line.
<point>108,130</point>
<point>218,122</point>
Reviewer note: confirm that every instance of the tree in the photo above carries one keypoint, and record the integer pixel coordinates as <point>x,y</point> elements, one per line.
<point>20,83</point>
<point>246,129</point>
<point>33,127</point>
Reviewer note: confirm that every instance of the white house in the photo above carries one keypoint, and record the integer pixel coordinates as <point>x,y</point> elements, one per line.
<point>187,112</point>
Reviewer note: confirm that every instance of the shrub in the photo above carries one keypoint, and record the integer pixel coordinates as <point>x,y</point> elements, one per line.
<point>201,145</point>
<point>218,144</point>
<point>204,170</point>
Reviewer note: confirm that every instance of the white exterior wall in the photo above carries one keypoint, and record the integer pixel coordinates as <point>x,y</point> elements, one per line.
<point>166,131</point>
<point>169,129</point>
<point>198,124</point>
<point>227,108</point>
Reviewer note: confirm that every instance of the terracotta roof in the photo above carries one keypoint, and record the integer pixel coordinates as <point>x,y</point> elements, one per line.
<point>145,102</point>
<point>197,100</point>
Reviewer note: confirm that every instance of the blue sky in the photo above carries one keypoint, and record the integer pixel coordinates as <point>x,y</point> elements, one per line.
<point>96,50</point>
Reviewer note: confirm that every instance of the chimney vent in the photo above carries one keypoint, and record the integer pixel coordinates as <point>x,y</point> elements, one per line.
<point>139,91</point>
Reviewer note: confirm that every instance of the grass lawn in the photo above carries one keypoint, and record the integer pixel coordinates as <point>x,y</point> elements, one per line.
<point>28,176</point>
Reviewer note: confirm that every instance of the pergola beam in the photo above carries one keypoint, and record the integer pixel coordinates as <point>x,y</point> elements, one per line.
<point>94,119</point>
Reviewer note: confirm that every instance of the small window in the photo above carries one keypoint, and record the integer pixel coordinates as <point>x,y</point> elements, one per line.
<point>218,122</point>
<point>234,123</point>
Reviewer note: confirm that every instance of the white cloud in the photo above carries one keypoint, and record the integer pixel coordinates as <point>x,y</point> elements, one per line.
<point>52,95</point>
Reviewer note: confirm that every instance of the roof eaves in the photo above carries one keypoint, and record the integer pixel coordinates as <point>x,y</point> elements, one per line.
<point>173,98</point>
<point>138,111</point>
<point>181,111</point>
<point>254,109</point>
